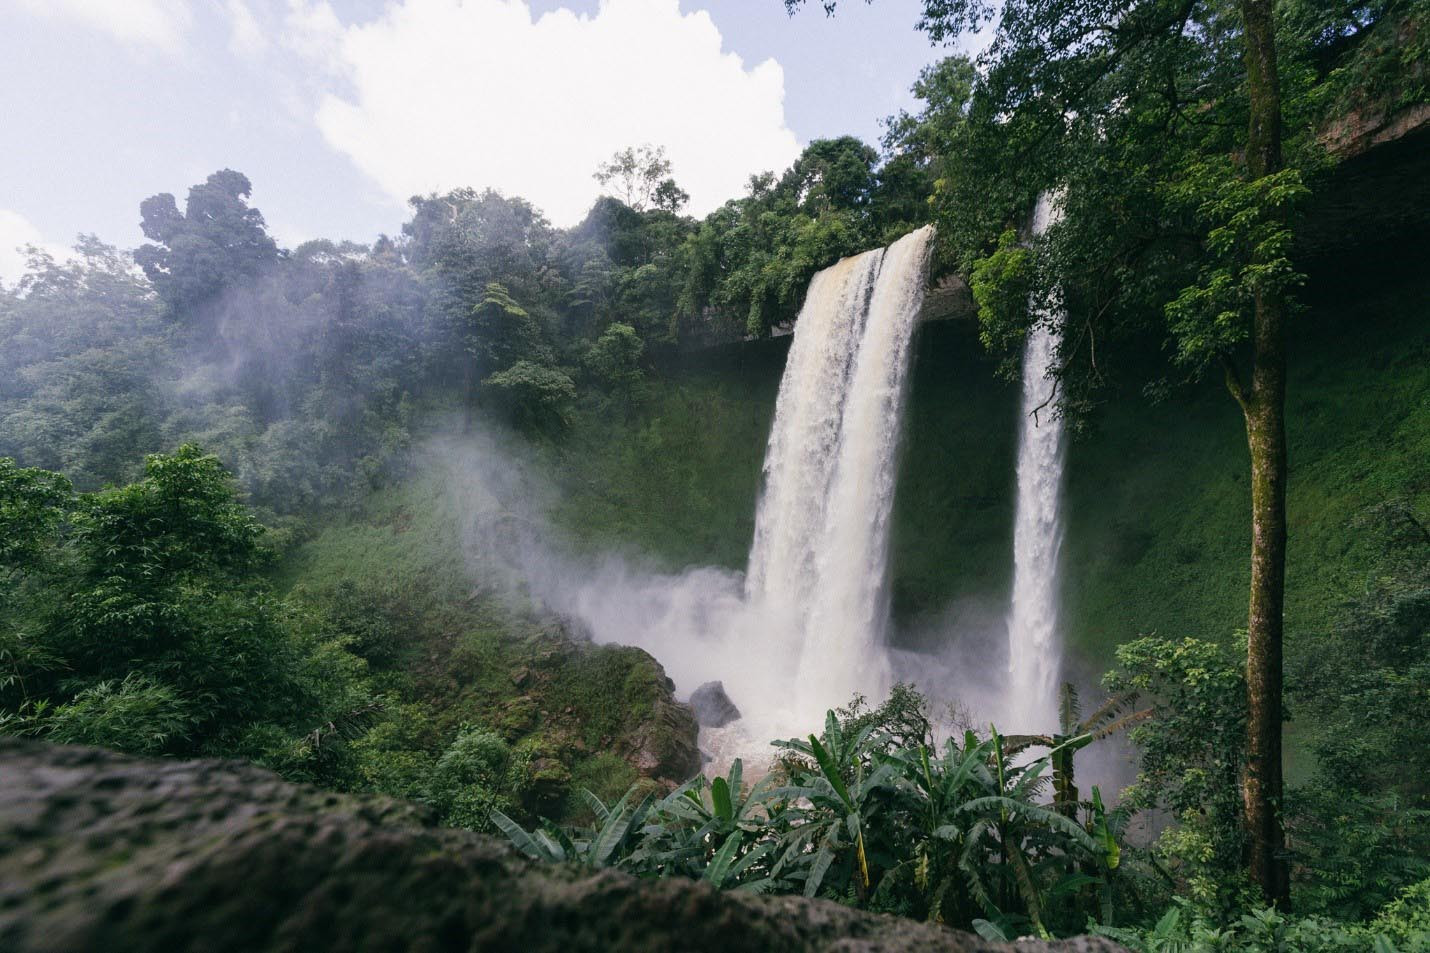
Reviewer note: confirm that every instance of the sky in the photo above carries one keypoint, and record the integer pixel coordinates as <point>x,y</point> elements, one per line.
<point>339,110</point>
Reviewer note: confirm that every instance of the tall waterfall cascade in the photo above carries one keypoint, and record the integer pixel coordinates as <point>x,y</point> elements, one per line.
<point>1034,646</point>
<point>818,568</point>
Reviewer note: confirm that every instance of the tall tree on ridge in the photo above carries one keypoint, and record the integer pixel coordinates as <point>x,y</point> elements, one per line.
<point>218,240</point>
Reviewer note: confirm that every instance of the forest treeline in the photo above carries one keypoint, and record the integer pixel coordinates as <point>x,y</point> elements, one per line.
<point>173,419</point>
<point>303,368</point>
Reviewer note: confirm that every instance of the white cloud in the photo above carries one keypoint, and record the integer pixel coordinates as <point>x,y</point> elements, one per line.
<point>16,231</point>
<point>313,30</point>
<point>446,94</point>
<point>156,23</point>
<point>245,36</point>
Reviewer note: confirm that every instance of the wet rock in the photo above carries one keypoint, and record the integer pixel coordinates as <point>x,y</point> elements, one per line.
<point>712,706</point>
<point>101,851</point>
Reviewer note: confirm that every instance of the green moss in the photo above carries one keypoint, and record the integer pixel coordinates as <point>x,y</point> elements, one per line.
<point>677,477</point>
<point>591,684</point>
<point>605,775</point>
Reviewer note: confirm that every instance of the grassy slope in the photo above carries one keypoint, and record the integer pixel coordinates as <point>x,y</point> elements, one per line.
<point>676,479</point>
<point>1158,535</point>
<point>472,657</point>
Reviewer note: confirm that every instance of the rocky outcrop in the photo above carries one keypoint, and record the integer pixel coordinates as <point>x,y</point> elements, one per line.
<point>100,851</point>
<point>948,298</point>
<point>662,744</point>
<point>713,708</point>
<point>1375,203</point>
<point>1391,106</point>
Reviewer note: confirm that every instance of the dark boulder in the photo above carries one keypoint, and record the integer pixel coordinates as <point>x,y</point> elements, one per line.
<point>102,851</point>
<point>712,706</point>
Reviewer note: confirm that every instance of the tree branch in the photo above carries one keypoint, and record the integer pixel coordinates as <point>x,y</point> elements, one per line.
<point>1234,384</point>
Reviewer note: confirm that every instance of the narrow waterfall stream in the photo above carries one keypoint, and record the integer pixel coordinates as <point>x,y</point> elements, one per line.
<point>1034,647</point>
<point>819,562</point>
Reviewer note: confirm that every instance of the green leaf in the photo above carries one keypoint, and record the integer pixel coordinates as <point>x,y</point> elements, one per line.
<point>518,836</point>
<point>719,865</point>
<point>720,798</point>
<point>830,771</point>
<point>817,870</point>
<point>989,931</point>
<point>750,859</point>
<point>595,804</point>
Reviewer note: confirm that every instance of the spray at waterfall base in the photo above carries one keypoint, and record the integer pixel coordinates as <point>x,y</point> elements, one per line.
<point>807,627</point>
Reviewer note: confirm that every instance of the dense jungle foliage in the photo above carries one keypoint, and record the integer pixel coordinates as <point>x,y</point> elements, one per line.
<point>219,535</point>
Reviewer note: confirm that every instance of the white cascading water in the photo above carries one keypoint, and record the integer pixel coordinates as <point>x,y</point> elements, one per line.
<point>805,436</point>
<point>1034,650</point>
<point>819,562</point>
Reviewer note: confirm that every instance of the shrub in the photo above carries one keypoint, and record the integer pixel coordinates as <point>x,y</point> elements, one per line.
<point>477,774</point>
<point>137,715</point>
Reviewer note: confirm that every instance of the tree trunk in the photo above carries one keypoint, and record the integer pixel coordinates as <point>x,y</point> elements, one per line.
<point>1266,440</point>
<point>1264,408</point>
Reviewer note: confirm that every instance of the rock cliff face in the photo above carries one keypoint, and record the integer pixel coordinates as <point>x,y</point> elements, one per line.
<point>101,851</point>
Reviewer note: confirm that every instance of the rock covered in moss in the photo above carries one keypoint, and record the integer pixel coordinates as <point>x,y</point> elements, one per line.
<point>102,851</point>
<point>662,745</point>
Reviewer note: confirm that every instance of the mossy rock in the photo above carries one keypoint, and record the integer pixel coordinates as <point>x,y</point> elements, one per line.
<point>102,851</point>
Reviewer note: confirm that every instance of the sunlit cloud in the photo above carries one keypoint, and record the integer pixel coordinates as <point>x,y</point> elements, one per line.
<point>436,94</point>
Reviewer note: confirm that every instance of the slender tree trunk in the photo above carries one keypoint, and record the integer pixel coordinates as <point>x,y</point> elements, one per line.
<point>1264,407</point>
<point>1266,440</point>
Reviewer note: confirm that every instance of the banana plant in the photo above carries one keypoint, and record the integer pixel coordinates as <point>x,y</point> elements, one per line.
<point>1075,732</point>
<point>835,801</point>
<point>716,830</point>
<point>720,806</point>
<point>932,787</point>
<point>607,843</point>
<point>985,845</point>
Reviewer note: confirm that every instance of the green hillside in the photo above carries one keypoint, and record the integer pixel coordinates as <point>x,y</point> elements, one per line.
<point>1156,503</point>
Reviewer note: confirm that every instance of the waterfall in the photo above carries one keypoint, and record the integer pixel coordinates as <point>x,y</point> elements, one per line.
<point>819,562</point>
<point>1034,651</point>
